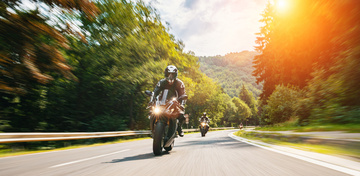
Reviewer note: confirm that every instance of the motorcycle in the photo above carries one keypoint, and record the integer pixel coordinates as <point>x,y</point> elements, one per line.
<point>163,122</point>
<point>204,127</point>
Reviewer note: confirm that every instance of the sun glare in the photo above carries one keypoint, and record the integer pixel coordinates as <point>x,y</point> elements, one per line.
<point>282,5</point>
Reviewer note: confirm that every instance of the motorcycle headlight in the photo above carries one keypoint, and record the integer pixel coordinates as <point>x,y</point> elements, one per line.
<point>203,123</point>
<point>157,110</point>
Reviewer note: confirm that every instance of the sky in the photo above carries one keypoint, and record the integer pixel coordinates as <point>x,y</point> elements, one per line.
<point>212,27</point>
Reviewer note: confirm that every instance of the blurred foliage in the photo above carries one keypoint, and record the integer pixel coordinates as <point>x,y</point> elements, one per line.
<point>113,51</point>
<point>282,104</point>
<point>243,111</point>
<point>31,48</point>
<point>206,96</point>
<point>233,73</point>
<point>293,124</point>
<point>315,46</point>
<point>252,103</point>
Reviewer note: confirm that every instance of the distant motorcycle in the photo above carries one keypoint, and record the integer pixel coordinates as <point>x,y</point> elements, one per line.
<point>163,122</point>
<point>204,127</point>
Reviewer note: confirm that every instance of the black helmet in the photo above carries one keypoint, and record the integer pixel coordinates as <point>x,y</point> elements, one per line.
<point>171,73</point>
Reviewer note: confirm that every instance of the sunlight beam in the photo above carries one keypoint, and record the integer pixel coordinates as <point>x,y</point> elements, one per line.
<point>282,5</point>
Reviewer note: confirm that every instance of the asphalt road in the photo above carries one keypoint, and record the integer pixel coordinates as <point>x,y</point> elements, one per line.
<point>193,155</point>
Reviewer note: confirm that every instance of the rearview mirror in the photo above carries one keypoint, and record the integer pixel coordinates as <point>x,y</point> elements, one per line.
<point>183,97</point>
<point>148,93</point>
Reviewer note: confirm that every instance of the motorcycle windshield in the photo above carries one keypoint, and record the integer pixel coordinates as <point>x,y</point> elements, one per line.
<point>163,97</point>
<point>166,95</point>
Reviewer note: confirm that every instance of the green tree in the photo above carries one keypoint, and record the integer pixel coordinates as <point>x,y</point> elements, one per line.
<point>317,52</point>
<point>31,48</point>
<point>282,104</point>
<point>31,55</point>
<point>291,44</point>
<point>243,111</point>
<point>249,99</point>
<point>207,97</point>
<point>126,53</point>
<point>230,113</point>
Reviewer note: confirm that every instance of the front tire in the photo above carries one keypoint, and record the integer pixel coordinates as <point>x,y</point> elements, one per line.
<point>158,138</point>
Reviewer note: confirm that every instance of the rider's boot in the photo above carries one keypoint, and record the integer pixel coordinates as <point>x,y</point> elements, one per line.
<point>179,128</point>
<point>180,131</point>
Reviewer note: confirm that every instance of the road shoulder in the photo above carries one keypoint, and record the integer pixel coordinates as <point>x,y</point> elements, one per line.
<point>336,163</point>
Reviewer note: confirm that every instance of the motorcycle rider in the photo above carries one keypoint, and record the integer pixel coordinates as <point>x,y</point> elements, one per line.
<point>170,87</point>
<point>205,119</point>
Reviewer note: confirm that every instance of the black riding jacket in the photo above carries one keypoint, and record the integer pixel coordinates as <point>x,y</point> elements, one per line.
<point>169,91</point>
<point>204,119</point>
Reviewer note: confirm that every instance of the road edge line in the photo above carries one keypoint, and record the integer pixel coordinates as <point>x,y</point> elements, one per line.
<point>81,160</point>
<point>311,160</point>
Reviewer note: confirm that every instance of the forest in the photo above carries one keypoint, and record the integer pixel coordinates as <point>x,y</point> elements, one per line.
<point>232,71</point>
<point>306,65</point>
<point>84,66</point>
<point>309,63</point>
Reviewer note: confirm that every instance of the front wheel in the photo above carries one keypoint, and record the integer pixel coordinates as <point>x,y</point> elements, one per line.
<point>202,131</point>
<point>158,138</point>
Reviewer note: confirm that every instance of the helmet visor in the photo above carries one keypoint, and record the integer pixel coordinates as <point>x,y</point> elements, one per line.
<point>171,77</point>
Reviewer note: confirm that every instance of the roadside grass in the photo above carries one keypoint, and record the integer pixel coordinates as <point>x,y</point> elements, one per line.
<point>292,125</point>
<point>325,149</point>
<point>192,132</point>
<point>350,128</point>
<point>6,152</point>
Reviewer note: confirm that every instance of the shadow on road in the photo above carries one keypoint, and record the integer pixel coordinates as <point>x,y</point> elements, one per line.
<point>137,157</point>
<point>132,158</point>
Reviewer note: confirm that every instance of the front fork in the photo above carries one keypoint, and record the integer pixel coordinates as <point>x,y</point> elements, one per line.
<point>154,119</point>
<point>170,128</point>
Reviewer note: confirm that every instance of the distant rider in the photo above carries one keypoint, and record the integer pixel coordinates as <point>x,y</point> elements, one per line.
<point>170,87</point>
<point>205,119</point>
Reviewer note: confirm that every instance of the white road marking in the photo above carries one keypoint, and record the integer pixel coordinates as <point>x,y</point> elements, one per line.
<point>321,163</point>
<point>77,161</point>
<point>45,152</point>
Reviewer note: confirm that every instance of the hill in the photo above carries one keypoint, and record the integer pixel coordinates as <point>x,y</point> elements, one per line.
<point>232,71</point>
